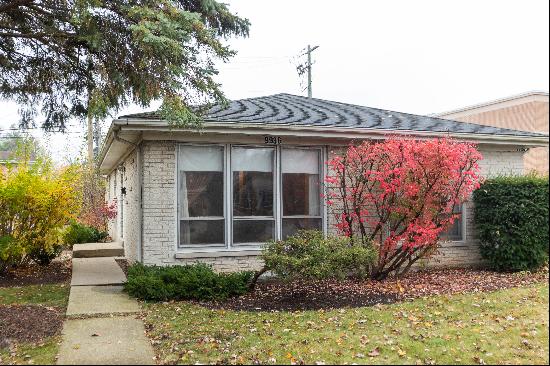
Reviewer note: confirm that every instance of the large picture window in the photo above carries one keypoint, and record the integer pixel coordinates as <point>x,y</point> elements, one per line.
<point>300,190</point>
<point>253,185</point>
<point>201,196</point>
<point>239,197</point>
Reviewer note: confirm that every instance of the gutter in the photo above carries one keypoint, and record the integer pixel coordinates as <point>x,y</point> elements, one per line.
<point>312,130</point>
<point>350,133</point>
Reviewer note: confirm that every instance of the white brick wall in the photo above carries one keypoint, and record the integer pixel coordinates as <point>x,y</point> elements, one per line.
<point>159,202</point>
<point>131,206</point>
<point>111,194</point>
<point>496,161</point>
<point>159,211</point>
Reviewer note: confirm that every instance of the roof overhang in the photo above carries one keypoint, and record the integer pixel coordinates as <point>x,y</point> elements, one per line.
<point>125,134</point>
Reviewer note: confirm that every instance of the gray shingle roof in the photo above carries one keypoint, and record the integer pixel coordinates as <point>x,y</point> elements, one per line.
<point>294,110</point>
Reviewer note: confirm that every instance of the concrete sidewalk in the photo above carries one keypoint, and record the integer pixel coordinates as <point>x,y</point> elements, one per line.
<point>96,271</point>
<point>91,300</point>
<point>107,331</point>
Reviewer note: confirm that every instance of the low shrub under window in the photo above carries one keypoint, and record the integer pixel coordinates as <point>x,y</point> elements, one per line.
<point>188,282</point>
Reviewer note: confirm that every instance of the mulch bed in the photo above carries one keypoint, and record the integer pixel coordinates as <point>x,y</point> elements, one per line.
<point>59,271</point>
<point>28,323</point>
<point>123,264</point>
<point>313,295</point>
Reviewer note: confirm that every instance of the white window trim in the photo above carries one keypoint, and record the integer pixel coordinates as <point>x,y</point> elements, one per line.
<point>196,218</point>
<point>247,248</point>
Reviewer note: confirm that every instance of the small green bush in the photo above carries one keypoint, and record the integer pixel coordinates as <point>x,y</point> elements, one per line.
<point>77,233</point>
<point>44,255</point>
<point>189,282</point>
<point>308,254</point>
<point>511,217</point>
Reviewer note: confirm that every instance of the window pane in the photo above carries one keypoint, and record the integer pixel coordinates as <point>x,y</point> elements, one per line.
<point>301,195</point>
<point>201,158</point>
<point>252,231</point>
<point>455,231</point>
<point>201,194</point>
<point>292,225</point>
<point>202,232</point>
<point>201,181</point>
<point>300,161</point>
<point>252,181</point>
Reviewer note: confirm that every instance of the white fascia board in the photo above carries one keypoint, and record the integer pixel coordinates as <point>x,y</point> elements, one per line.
<point>349,133</point>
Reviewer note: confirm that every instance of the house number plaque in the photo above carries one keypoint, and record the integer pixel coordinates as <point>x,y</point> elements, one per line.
<point>273,140</point>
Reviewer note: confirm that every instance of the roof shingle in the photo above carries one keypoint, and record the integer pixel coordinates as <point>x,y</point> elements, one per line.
<point>294,110</point>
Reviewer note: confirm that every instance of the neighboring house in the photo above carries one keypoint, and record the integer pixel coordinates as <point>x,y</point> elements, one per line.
<point>255,172</point>
<point>5,157</point>
<point>526,112</point>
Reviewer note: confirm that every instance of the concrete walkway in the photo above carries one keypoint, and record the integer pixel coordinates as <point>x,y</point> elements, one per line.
<point>96,271</point>
<point>101,326</point>
<point>92,300</point>
<point>98,250</point>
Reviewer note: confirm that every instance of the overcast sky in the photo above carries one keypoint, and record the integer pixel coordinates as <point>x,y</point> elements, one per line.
<point>412,56</point>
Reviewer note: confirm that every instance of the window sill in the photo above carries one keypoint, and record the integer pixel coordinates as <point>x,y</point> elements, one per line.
<point>218,253</point>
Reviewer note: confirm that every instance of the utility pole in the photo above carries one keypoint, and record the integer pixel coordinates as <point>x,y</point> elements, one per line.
<point>307,67</point>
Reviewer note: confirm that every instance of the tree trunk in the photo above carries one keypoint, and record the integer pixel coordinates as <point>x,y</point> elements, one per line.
<point>90,139</point>
<point>254,280</point>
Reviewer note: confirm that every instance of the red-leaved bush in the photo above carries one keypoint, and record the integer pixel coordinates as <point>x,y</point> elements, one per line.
<point>399,194</point>
<point>95,211</point>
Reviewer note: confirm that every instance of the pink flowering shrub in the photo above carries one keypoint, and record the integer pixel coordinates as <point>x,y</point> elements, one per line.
<point>400,194</point>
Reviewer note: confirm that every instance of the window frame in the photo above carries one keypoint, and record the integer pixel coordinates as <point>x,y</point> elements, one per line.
<point>277,218</point>
<point>194,247</point>
<point>462,227</point>
<point>320,165</point>
<point>229,199</point>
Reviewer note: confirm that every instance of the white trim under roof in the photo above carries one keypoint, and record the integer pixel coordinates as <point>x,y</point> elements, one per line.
<point>132,130</point>
<point>531,96</point>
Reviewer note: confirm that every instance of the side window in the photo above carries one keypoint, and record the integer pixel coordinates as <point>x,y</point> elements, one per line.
<point>455,231</point>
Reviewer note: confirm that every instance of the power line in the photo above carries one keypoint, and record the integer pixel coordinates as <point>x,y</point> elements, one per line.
<point>33,128</point>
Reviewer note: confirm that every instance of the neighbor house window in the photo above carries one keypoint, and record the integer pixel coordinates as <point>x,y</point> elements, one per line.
<point>201,196</point>
<point>455,231</point>
<point>300,190</point>
<point>253,186</point>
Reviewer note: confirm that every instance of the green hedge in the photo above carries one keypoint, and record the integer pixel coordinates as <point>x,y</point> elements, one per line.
<point>511,217</point>
<point>189,282</point>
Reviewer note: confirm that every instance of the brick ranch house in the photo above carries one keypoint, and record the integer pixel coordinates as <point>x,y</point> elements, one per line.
<point>255,172</point>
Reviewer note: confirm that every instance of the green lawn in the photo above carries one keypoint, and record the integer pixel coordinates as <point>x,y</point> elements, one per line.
<point>504,327</point>
<point>47,295</point>
<point>55,295</point>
